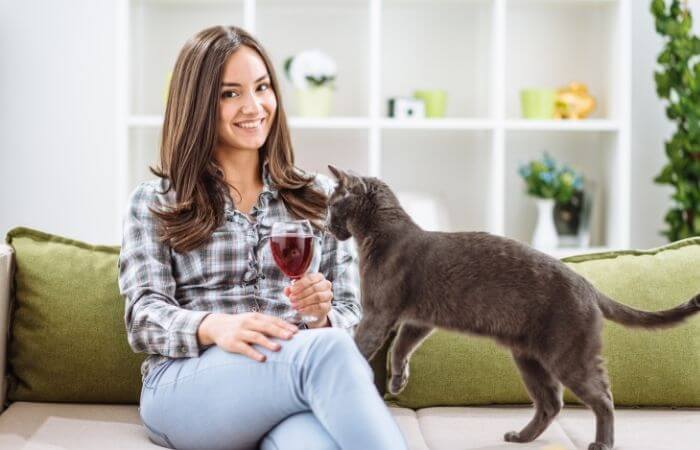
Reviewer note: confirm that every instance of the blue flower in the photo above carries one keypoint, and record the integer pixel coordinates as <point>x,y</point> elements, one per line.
<point>524,171</point>
<point>547,177</point>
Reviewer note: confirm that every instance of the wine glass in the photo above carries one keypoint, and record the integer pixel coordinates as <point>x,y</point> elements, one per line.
<point>293,247</point>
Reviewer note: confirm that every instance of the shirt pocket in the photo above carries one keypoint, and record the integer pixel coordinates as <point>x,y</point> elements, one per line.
<point>221,262</point>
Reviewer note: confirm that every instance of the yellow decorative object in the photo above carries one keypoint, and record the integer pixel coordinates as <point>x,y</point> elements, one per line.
<point>573,102</point>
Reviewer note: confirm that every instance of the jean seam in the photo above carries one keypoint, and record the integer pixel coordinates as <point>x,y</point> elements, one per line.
<point>159,434</point>
<point>170,383</point>
<point>147,381</point>
<point>272,441</point>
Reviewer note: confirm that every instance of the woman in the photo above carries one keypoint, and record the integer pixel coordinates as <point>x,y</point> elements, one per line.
<point>224,370</point>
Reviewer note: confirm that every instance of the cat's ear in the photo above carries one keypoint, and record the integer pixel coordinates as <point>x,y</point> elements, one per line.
<point>341,176</point>
<point>356,180</point>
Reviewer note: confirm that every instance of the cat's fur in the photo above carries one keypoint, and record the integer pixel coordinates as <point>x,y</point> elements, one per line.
<point>475,282</point>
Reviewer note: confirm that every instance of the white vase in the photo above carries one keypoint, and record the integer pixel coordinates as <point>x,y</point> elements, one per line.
<point>315,101</point>
<point>545,235</point>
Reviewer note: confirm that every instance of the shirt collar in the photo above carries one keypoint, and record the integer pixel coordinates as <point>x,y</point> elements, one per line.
<point>269,188</point>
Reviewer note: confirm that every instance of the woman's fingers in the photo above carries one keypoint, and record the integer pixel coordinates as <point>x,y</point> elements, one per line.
<point>304,283</point>
<point>273,329</point>
<point>319,286</point>
<point>246,350</point>
<point>313,299</point>
<point>316,309</point>
<point>254,337</point>
<point>260,318</point>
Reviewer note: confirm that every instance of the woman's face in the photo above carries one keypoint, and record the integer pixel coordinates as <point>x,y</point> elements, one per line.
<point>247,103</point>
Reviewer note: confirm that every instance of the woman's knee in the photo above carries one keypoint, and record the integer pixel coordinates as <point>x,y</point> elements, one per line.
<point>335,346</point>
<point>301,431</point>
<point>335,338</point>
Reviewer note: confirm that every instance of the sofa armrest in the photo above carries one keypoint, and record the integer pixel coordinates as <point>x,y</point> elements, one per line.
<point>6,286</point>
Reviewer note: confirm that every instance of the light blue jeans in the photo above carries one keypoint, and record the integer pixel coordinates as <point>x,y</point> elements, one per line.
<point>315,393</point>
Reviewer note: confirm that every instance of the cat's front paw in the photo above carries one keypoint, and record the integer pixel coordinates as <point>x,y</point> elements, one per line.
<point>598,446</point>
<point>513,436</point>
<point>399,380</point>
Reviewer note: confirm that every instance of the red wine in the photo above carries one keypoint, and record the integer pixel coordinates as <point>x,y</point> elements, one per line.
<point>292,253</point>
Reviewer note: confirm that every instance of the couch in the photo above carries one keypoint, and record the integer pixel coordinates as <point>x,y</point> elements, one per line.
<point>53,425</point>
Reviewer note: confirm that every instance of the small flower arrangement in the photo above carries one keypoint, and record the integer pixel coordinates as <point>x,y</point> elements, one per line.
<point>309,69</point>
<point>545,180</point>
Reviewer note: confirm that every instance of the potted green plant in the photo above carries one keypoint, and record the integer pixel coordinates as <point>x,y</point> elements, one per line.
<point>312,73</point>
<point>559,197</point>
<point>678,82</point>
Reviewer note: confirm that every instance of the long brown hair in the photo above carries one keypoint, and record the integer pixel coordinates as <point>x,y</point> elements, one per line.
<point>189,136</point>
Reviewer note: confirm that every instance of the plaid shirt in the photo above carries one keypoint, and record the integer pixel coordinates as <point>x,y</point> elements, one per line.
<point>168,294</point>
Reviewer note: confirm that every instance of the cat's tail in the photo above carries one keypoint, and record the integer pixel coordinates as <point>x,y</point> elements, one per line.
<point>623,314</point>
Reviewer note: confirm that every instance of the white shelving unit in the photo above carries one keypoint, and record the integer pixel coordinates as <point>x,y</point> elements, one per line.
<point>481,51</point>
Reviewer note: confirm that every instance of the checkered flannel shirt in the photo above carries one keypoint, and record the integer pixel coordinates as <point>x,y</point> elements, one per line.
<point>168,294</point>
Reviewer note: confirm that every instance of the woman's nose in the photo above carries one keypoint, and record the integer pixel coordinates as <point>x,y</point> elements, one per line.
<point>251,103</point>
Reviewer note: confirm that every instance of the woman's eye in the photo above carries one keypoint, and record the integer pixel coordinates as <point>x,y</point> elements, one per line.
<point>229,94</point>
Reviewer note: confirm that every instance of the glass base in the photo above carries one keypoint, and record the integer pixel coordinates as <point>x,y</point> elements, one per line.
<point>295,318</point>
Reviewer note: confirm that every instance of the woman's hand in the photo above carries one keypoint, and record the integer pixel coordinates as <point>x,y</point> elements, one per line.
<point>236,333</point>
<point>311,295</point>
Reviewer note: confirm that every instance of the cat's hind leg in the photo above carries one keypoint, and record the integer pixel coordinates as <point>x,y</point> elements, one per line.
<point>409,337</point>
<point>590,384</point>
<point>545,391</point>
<point>372,332</point>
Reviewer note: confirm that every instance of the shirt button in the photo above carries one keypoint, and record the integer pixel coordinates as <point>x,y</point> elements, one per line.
<point>255,309</point>
<point>183,349</point>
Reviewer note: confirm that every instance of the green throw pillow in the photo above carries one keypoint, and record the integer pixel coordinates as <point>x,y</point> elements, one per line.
<point>646,368</point>
<point>67,336</point>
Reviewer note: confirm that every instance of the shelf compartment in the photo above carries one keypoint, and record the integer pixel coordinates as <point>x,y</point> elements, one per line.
<point>592,154</point>
<point>438,45</point>
<point>158,30</point>
<point>552,43</point>
<point>338,28</point>
<point>452,168</point>
<point>346,149</point>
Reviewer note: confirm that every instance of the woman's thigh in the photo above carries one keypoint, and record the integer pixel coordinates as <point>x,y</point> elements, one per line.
<point>224,400</point>
<point>301,431</point>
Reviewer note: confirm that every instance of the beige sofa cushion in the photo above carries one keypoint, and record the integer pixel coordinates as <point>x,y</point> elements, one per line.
<point>73,426</point>
<point>638,429</point>
<point>54,426</point>
<point>451,428</point>
<point>483,427</point>
<point>66,426</point>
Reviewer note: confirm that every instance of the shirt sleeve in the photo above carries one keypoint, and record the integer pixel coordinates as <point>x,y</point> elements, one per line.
<point>155,322</point>
<point>339,265</point>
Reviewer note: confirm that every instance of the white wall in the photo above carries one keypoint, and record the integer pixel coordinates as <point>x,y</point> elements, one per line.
<point>57,159</point>
<point>57,156</point>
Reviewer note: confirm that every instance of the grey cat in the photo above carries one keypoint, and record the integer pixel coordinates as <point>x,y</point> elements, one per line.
<point>549,316</point>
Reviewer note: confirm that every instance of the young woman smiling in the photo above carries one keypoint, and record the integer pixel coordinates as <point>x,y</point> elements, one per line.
<point>224,370</point>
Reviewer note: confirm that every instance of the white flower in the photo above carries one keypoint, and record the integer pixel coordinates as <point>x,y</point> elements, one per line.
<point>310,68</point>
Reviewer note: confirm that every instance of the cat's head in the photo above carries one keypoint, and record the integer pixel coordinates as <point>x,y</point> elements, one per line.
<point>350,197</point>
<point>360,204</point>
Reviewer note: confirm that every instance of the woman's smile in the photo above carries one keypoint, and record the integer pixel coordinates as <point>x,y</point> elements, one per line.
<point>250,127</point>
